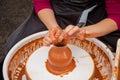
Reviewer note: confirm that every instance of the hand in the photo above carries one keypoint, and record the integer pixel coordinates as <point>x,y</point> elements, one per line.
<point>72,31</point>
<point>81,34</point>
<point>52,36</point>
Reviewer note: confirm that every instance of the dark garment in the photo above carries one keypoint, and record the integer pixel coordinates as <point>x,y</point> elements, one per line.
<point>66,13</point>
<point>111,39</point>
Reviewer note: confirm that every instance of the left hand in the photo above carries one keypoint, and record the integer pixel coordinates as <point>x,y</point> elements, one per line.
<point>72,31</point>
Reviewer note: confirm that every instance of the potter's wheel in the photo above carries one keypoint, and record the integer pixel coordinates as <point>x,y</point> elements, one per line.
<point>36,68</point>
<point>15,61</point>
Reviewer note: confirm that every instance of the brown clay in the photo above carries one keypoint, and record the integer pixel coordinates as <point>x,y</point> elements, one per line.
<point>60,60</point>
<point>37,44</point>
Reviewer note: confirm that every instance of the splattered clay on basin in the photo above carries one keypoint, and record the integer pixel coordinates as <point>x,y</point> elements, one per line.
<point>28,59</point>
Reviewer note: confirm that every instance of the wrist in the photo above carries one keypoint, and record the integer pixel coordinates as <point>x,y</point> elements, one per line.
<point>54,27</point>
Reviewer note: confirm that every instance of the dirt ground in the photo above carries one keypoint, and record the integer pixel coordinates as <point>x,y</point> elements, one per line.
<point>12,14</point>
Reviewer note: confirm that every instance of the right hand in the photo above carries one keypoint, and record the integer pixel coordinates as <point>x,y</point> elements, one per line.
<point>52,36</point>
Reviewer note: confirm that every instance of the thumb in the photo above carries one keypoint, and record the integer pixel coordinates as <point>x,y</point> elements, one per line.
<point>81,35</point>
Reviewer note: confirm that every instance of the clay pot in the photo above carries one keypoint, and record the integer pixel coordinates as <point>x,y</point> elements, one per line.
<point>60,56</point>
<point>60,60</point>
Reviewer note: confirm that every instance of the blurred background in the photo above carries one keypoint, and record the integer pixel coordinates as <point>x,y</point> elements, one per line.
<point>12,14</point>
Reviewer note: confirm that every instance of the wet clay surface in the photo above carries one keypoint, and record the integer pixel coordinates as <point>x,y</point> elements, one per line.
<point>60,60</point>
<point>61,70</point>
<point>15,70</point>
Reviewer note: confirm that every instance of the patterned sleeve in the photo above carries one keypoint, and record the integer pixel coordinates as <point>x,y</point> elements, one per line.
<point>113,10</point>
<point>41,4</point>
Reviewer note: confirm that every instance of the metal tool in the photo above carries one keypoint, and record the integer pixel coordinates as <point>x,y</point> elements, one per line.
<point>83,19</point>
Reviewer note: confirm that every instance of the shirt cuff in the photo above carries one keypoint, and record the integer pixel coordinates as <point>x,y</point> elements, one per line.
<point>116,19</point>
<point>41,6</point>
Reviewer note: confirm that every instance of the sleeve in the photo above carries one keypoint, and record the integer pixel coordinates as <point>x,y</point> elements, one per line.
<point>113,10</point>
<point>41,4</point>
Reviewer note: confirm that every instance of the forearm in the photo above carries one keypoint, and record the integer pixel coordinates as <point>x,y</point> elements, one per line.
<point>102,28</point>
<point>48,18</point>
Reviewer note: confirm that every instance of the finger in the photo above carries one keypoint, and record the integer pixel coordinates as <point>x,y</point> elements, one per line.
<point>81,35</point>
<point>47,41</point>
<point>52,34</point>
<point>46,44</point>
<point>68,28</point>
<point>73,31</point>
<point>62,36</point>
<point>58,33</point>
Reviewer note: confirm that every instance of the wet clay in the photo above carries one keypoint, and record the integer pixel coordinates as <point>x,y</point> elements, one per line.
<point>24,52</point>
<point>60,60</point>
